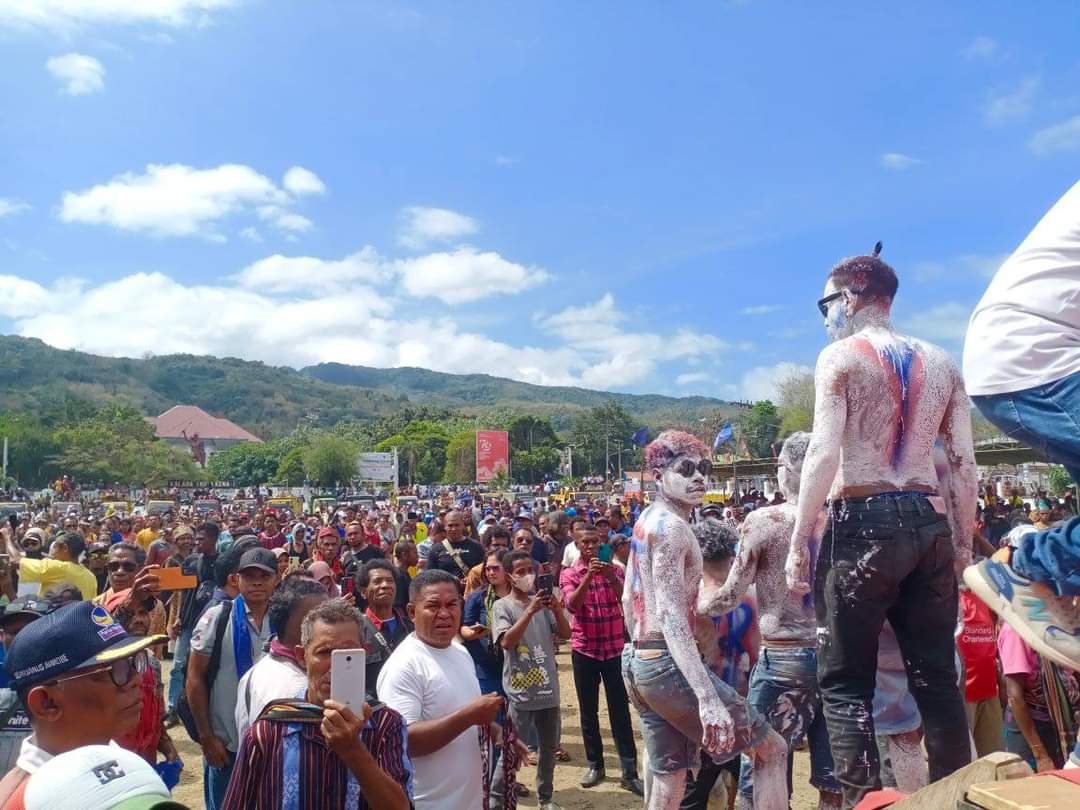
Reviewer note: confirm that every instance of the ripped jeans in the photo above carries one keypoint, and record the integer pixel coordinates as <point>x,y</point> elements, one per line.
<point>784,689</point>
<point>887,556</point>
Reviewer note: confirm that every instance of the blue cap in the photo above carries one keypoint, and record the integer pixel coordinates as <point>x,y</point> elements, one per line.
<point>571,512</point>
<point>75,636</point>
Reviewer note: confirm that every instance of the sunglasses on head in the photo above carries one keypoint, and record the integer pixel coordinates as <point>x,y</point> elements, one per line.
<point>122,565</point>
<point>823,304</point>
<point>686,468</point>
<point>99,555</point>
<point>121,671</point>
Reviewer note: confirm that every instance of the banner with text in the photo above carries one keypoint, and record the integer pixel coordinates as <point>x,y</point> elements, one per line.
<point>378,466</point>
<point>492,453</point>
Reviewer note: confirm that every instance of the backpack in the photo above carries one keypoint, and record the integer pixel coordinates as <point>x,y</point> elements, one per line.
<point>183,708</point>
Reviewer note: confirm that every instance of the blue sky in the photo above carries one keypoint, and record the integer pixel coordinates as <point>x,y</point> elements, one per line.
<point>628,196</point>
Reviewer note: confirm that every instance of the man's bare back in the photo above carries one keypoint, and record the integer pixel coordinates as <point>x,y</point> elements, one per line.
<point>896,391</point>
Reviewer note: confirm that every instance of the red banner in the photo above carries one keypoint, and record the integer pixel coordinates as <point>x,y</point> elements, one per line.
<point>492,453</point>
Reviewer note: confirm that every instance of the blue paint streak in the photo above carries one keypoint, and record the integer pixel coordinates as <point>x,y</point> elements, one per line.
<point>898,358</point>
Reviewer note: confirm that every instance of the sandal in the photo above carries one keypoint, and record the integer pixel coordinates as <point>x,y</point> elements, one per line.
<point>561,755</point>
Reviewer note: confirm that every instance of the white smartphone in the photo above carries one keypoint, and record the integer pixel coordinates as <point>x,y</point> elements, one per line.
<point>348,678</point>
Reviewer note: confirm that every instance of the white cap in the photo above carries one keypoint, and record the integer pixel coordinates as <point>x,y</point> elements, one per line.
<point>105,777</point>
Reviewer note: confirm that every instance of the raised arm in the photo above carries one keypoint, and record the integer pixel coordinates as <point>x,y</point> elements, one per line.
<point>665,578</point>
<point>961,490</point>
<point>716,601</point>
<point>822,462</point>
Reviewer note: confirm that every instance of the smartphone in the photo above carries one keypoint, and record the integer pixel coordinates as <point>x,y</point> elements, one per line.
<point>604,552</point>
<point>544,583</point>
<point>174,579</point>
<point>348,678</point>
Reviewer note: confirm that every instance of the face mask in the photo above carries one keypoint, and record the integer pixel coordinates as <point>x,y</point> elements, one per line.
<point>525,583</point>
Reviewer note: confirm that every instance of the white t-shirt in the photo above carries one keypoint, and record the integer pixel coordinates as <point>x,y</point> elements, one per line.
<point>272,678</point>
<point>422,682</point>
<point>1025,332</point>
<point>570,555</point>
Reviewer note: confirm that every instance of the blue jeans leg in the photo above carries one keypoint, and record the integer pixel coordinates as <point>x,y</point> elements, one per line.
<point>1046,417</point>
<point>216,782</point>
<point>1052,556</point>
<point>179,669</point>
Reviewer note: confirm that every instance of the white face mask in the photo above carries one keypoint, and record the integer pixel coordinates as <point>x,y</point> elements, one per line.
<point>525,583</point>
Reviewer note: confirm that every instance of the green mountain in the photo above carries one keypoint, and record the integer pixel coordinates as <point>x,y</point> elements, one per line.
<point>56,385</point>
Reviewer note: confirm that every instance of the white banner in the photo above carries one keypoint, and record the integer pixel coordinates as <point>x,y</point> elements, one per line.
<point>378,467</point>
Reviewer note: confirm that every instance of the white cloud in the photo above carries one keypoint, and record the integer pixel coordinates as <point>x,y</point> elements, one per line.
<point>505,160</point>
<point>1061,137</point>
<point>982,47</point>
<point>80,74</point>
<point>348,321</point>
<point>9,208</point>
<point>946,322</point>
<point>179,200</point>
<point>761,309</point>
<point>763,382</point>
<point>64,15</point>
<point>296,274</point>
<point>251,234</point>
<point>424,226</point>
<point>692,377</point>
<point>898,162</point>
<point>465,275</point>
<point>301,181</point>
<point>1001,108</point>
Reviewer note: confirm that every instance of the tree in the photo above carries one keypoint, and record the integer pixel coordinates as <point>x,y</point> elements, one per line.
<point>534,466</point>
<point>500,481</point>
<point>796,403</point>
<point>597,432</point>
<point>421,447</point>
<point>527,432</point>
<point>1060,480</point>
<point>290,470</point>
<point>247,463</point>
<point>460,458</point>
<point>760,429</point>
<point>331,459</point>
<point>32,449</point>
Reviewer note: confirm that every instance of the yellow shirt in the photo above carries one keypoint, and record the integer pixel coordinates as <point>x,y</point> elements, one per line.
<point>145,537</point>
<point>52,572</point>
<point>421,532</point>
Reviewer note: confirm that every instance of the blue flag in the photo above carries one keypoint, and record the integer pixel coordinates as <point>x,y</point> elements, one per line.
<point>641,438</point>
<point>724,436</point>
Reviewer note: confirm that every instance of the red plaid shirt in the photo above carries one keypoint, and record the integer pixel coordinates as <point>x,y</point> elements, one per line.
<point>598,623</point>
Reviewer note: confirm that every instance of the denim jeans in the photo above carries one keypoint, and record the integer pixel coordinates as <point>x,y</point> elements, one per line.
<point>1015,743</point>
<point>1051,556</point>
<point>588,674</point>
<point>784,689</point>
<point>670,717</point>
<point>178,674</point>
<point>546,723</point>
<point>216,783</point>
<point>1046,418</point>
<point>887,556</point>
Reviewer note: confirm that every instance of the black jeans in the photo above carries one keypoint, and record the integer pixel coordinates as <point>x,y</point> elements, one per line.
<point>588,673</point>
<point>887,556</point>
<point>700,788</point>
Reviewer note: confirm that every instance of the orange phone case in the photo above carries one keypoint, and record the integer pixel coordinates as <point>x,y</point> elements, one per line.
<point>173,579</point>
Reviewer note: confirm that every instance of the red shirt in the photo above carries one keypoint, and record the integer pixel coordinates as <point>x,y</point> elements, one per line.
<point>598,624</point>
<point>977,645</point>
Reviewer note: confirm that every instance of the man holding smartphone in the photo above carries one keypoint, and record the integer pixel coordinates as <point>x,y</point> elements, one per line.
<point>524,624</point>
<point>592,589</point>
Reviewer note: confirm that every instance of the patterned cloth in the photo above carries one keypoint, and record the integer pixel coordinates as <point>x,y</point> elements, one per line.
<point>284,762</point>
<point>510,762</point>
<point>598,624</point>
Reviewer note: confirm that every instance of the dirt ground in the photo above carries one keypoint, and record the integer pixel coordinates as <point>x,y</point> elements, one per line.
<point>568,792</point>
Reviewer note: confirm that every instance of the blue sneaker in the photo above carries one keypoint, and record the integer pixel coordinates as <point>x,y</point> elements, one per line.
<point>1046,621</point>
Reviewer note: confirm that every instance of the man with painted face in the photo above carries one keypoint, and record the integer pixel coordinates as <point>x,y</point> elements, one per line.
<point>681,703</point>
<point>783,686</point>
<point>892,548</point>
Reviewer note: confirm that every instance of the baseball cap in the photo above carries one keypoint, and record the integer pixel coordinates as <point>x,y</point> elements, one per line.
<point>319,569</point>
<point>75,636</point>
<point>26,606</point>
<point>259,558</point>
<point>104,777</point>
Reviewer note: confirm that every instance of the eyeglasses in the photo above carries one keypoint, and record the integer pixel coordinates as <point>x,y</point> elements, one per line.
<point>686,468</point>
<point>99,555</point>
<point>122,565</point>
<point>121,671</point>
<point>823,304</point>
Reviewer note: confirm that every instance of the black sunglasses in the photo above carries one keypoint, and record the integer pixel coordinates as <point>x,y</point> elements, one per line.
<point>823,304</point>
<point>686,468</point>
<point>121,671</point>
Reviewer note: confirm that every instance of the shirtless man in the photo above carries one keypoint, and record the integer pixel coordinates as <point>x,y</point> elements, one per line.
<point>783,687</point>
<point>682,705</point>
<point>882,399</point>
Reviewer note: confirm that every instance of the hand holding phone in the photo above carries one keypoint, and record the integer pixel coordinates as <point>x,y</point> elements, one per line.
<point>604,552</point>
<point>545,583</point>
